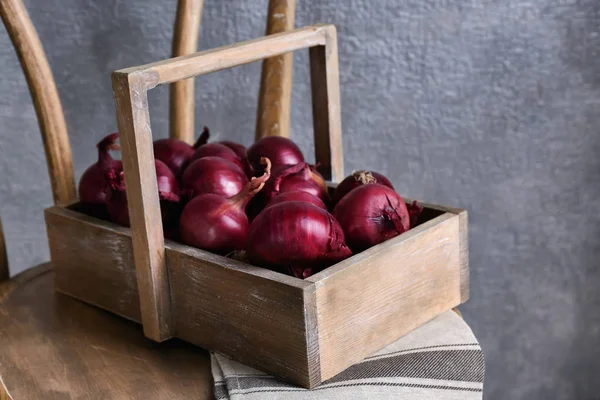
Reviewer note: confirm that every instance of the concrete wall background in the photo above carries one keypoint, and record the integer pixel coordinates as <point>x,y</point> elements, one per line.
<point>490,105</point>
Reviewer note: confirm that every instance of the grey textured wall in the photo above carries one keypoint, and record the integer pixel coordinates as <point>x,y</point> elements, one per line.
<point>490,105</point>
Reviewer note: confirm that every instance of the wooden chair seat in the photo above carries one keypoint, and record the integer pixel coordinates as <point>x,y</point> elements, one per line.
<point>55,347</point>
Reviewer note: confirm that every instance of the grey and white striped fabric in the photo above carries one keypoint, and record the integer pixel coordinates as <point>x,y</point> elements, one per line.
<point>440,360</point>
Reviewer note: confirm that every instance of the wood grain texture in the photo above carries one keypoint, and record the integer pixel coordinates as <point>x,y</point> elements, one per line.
<point>327,117</point>
<point>4,272</point>
<point>94,261</point>
<point>133,119</point>
<point>274,98</point>
<point>54,347</point>
<point>370,300</point>
<point>185,41</point>
<point>248,313</point>
<point>204,62</point>
<point>312,336</point>
<point>463,241</point>
<point>45,99</point>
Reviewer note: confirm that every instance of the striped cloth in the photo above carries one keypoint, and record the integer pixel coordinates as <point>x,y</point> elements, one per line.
<point>440,360</point>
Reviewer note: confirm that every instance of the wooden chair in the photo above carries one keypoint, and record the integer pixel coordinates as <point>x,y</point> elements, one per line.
<point>52,346</point>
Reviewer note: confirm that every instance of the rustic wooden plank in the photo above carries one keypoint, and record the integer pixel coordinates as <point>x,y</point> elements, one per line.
<point>403,283</point>
<point>312,336</point>
<point>204,62</point>
<point>53,347</point>
<point>274,98</point>
<point>463,241</point>
<point>93,261</point>
<point>133,119</point>
<point>4,272</point>
<point>256,320</point>
<point>327,118</point>
<point>185,41</point>
<point>45,99</point>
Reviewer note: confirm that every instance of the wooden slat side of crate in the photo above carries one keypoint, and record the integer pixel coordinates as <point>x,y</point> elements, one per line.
<point>93,260</point>
<point>305,331</point>
<point>370,300</point>
<point>249,313</point>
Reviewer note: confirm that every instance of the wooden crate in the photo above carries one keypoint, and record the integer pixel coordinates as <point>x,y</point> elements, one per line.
<point>305,331</point>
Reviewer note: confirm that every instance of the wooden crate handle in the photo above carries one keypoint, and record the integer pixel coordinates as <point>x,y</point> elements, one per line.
<point>274,97</point>
<point>130,88</point>
<point>185,41</point>
<point>45,99</point>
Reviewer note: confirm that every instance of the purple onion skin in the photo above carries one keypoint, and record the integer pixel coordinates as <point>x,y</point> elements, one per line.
<point>210,222</point>
<point>168,190</point>
<point>371,214</point>
<point>296,237</point>
<point>292,178</point>
<point>281,151</point>
<point>353,181</point>
<point>175,153</point>
<point>214,223</point>
<point>217,150</point>
<point>297,196</point>
<point>94,185</point>
<point>213,175</point>
<point>239,149</point>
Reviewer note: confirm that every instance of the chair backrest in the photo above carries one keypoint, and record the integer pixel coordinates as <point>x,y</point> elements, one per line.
<point>272,114</point>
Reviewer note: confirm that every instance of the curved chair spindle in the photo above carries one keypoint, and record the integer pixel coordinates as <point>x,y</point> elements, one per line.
<point>274,98</point>
<point>185,41</point>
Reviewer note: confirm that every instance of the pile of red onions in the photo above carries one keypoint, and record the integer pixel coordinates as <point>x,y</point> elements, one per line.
<point>167,193</point>
<point>264,204</point>
<point>219,224</point>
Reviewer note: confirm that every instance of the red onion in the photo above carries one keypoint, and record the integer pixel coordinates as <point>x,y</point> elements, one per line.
<point>298,196</point>
<point>296,237</point>
<point>174,153</point>
<point>213,175</point>
<point>95,181</point>
<point>239,149</point>
<point>177,154</point>
<point>300,177</point>
<point>167,193</point>
<point>217,150</point>
<point>414,210</point>
<point>358,178</point>
<point>280,150</point>
<point>214,223</point>
<point>371,214</point>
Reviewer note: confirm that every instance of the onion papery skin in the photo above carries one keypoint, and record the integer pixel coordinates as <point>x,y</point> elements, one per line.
<point>94,185</point>
<point>281,151</point>
<point>174,153</point>
<point>239,149</point>
<point>297,196</point>
<point>297,238</point>
<point>217,150</point>
<point>214,223</point>
<point>371,214</point>
<point>356,179</point>
<point>300,177</point>
<point>168,194</point>
<point>213,175</point>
